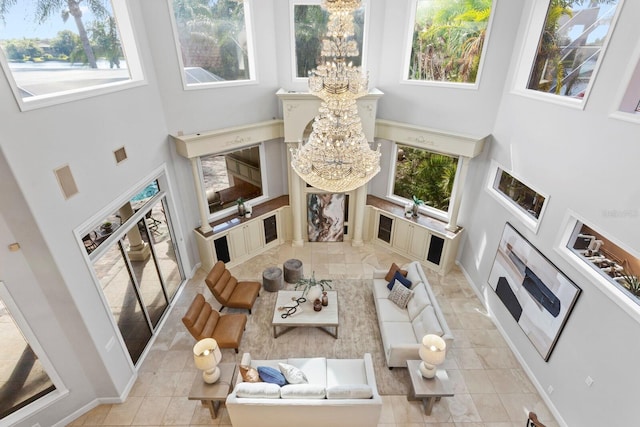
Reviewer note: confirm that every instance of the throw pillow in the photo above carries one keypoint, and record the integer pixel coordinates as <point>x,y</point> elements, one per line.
<point>249,374</point>
<point>400,295</point>
<point>392,271</point>
<point>271,375</point>
<point>292,374</point>
<point>398,277</point>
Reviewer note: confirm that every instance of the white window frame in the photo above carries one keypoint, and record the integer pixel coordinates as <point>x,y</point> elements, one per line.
<point>528,51</point>
<point>601,283</point>
<point>248,24</point>
<point>425,209</point>
<point>130,48</point>
<point>292,36</point>
<point>457,85</point>
<point>263,178</point>
<point>60,392</point>
<point>631,92</point>
<point>528,220</point>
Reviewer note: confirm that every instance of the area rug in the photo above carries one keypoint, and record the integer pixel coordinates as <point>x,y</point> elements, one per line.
<point>358,333</point>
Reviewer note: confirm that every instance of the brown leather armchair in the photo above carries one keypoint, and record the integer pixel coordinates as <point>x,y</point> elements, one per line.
<point>203,321</point>
<point>228,291</point>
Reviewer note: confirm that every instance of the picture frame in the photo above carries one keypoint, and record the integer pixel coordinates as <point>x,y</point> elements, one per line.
<point>538,295</point>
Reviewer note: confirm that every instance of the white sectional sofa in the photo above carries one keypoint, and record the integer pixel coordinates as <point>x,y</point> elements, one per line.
<point>402,329</point>
<point>339,393</point>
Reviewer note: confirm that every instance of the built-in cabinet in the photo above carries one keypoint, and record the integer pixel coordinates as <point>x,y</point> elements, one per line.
<point>235,240</point>
<point>422,239</point>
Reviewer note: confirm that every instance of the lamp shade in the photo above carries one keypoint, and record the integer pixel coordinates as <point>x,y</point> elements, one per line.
<point>432,352</point>
<point>207,355</point>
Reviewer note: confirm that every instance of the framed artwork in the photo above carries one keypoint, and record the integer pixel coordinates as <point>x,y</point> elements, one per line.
<point>325,217</point>
<point>536,293</point>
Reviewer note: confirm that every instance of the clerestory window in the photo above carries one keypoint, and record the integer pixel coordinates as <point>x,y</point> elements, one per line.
<point>214,41</point>
<point>55,52</point>
<point>447,40</point>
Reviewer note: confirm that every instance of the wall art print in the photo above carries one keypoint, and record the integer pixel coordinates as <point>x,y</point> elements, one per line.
<point>536,293</point>
<point>325,217</point>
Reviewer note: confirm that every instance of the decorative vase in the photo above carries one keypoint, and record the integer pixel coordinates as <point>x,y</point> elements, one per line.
<point>317,304</point>
<point>325,299</point>
<point>241,209</point>
<point>414,211</point>
<point>314,293</point>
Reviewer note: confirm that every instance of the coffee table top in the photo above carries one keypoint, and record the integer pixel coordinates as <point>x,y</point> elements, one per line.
<point>305,315</point>
<point>440,385</point>
<point>216,391</point>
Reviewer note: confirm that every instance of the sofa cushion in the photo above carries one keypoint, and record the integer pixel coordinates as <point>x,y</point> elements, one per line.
<point>249,374</point>
<point>271,375</point>
<point>400,295</point>
<point>388,311</point>
<point>392,271</point>
<point>258,390</point>
<point>418,301</point>
<point>292,374</point>
<point>303,391</point>
<point>397,334</point>
<point>350,391</point>
<point>413,273</point>
<point>427,323</point>
<point>314,368</point>
<point>345,371</point>
<point>399,278</point>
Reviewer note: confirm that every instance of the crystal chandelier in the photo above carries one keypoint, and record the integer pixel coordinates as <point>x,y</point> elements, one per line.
<point>337,156</point>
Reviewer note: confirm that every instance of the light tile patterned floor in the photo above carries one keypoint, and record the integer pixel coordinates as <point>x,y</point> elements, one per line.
<point>491,388</point>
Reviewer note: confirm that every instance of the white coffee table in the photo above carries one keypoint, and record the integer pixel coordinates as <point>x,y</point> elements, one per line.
<point>305,316</point>
<point>429,390</point>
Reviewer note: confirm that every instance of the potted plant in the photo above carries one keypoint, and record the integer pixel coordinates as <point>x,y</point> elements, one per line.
<point>416,204</point>
<point>241,208</point>
<point>106,226</point>
<point>632,282</point>
<point>312,288</point>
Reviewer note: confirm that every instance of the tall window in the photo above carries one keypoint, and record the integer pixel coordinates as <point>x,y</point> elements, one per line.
<point>23,379</point>
<point>310,23</point>
<point>448,40</point>
<point>214,40</point>
<point>571,45</point>
<point>426,175</point>
<point>56,51</point>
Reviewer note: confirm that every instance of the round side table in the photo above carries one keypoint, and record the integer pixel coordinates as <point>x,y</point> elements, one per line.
<point>272,279</point>
<point>292,270</point>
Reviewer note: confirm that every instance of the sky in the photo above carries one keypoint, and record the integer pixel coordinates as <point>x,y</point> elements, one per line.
<point>20,22</point>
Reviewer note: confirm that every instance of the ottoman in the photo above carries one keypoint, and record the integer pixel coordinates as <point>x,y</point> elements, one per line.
<point>292,270</point>
<point>272,279</point>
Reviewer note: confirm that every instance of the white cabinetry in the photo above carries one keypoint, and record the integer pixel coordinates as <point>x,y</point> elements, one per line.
<point>423,239</point>
<point>247,239</point>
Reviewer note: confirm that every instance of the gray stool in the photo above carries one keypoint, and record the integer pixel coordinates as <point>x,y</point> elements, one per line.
<point>272,279</point>
<point>292,270</point>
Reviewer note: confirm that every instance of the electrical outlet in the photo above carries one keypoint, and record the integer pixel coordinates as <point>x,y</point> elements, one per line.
<point>550,389</point>
<point>588,381</point>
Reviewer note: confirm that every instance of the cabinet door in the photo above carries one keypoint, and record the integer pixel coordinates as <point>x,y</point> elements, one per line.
<point>237,243</point>
<point>221,247</point>
<point>270,224</point>
<point>419,241</point>
<point>402,236</point>
<point>385,224</point>
<point>253,236</point>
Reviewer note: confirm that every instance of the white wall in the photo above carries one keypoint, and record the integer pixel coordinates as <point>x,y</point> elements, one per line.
<point>585,161</point>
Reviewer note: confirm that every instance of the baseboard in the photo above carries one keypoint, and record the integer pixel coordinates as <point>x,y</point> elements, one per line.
<point>541,391</point>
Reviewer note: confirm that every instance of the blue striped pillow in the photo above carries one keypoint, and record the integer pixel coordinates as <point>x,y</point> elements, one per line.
<point>271,375</point>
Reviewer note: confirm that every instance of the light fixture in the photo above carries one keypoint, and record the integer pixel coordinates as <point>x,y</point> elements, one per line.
<point>207,355</point>
<point>337,156</point>
<point>432,352</point>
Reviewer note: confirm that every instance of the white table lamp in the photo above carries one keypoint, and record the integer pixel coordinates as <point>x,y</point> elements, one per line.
<point>432,352</point>
<point>207,355</point>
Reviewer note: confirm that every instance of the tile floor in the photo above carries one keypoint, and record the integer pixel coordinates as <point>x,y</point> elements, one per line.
<point>491,388</point>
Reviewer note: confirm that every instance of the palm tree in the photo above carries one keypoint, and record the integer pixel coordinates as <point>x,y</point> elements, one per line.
<point>46,8</point>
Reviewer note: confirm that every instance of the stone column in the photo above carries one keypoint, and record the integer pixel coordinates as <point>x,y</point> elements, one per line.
<point>295,198</point>
<point>456,197</point>
<point>358,215</point>
<point>203,207</point>
<point>138,249</point>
